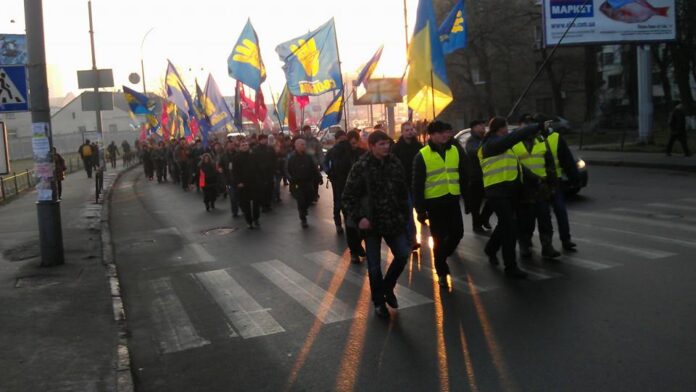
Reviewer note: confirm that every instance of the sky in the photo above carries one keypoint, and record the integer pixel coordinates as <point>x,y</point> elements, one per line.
<point>198,36</point>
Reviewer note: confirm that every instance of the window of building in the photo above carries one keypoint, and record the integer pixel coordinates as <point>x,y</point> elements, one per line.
<point>614,81</point>
<point>608,58</point>
<point>12,132</point>
<point>82,129</point>
<point>73,115</point>
<point>113,128</point>
<point>10,116</point>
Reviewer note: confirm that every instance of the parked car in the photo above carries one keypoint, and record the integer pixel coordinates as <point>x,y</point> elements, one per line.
<point>568,187</point>
<point>558,123</point>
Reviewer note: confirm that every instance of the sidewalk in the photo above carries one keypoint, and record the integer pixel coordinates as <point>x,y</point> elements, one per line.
<point>637,159</point>
<point>57,327</point>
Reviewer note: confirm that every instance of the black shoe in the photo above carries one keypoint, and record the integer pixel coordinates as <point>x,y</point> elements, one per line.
<point>381,311</point>
<point>355,259</point>
<point>550,253</point>
<point>525,252</point>
<point>339,229</point>
<point>212,205</point>
<point>250,226</point>
<point>391,300</point>
<point>207,207</point>
<point>492,258</point>
<point>415,246</point>
<point>569,245</point>
<point>362,253</point>
<point>479,230</point>
<point>442,281</point>
<point>235,216</point>
<point>515,273</point>
<point>304,224</point>
<point>256,224</point>
<point>487,225</point>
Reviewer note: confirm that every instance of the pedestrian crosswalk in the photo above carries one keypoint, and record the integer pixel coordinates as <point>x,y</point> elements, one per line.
<point>323,285</point>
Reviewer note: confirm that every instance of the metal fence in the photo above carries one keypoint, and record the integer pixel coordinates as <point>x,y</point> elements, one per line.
<point>13,185</point>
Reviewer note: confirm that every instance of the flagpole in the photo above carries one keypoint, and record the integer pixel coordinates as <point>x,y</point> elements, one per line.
<point>406,25</point>
<point>340,72</point>
<point>432,90</point>
<point>280,123</point>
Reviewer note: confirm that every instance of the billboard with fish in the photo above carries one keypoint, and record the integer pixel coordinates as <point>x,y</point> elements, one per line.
<point>608,21</point>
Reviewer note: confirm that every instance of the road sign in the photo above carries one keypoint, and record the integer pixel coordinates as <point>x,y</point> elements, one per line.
<point>13,88</point>
<point>89,101</point>
<point>88,78</point>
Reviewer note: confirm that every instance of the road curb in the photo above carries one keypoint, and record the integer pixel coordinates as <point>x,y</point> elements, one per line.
<point>644,165</point>
<point>124,377</point>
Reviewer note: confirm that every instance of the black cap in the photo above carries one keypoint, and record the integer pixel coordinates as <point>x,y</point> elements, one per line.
<point>438,126</point>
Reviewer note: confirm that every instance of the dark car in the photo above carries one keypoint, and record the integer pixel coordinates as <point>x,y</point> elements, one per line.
<point>568,187</point>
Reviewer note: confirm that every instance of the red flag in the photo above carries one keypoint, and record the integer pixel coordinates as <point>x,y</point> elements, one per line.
<point>143,132</point>
<point>292,116</point>
<point>248,106</point>
<point>303,101</point>
<point>261,110</point>
<point>164,121</point>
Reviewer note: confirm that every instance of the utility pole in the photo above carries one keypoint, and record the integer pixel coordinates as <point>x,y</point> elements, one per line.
<point>48,211</point>
<point>96,89</point>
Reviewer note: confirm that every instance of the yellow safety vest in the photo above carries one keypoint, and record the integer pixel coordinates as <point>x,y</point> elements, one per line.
<point>441,176</point>
<point>534,160</point>
<point>498,168</point>
<point>553,144</point>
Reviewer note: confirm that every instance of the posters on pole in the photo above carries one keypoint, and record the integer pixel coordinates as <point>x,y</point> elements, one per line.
<point>43,160</point>
<point>13,49</point>
<point>608,21</point>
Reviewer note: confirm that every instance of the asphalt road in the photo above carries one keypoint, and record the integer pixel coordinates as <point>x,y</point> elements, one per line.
<point>282,308</point>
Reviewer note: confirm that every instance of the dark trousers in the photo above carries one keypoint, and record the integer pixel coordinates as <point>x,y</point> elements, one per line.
<point>681,137</point>
<point>210,195</point>
<point>559,209</point>
<point>185,174</point>
<point>112,158</point>
<point>161,171</point>
<point>337,189</point>
<point>480,210</point>
<point>504,233</point>
<point>353,237</point>
<point>447,229</point>
<point>266,189</point>
<point>530,213</point>
<point>87,162</point>
<point>383,285</point>
<point>304,194</point>
<point>149,167</point>
<point>233,193</point>
<point>250,206</point>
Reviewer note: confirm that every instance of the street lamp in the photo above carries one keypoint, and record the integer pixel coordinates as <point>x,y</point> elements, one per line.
<point>142,61</point>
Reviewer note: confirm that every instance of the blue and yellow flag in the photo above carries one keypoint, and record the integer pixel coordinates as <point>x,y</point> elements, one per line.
<point>453,31</point>
<point>428,89</point>
<point>245,63</point>
<point>311,62</point>
<point>176,90</point>
<point>137,102</point>
<point>332,115</point>
<point>215,107</point>
<point>201,114</point>
<point>282,104</point>
<point>369,68</point>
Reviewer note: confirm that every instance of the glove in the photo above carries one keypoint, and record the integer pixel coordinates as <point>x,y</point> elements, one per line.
<point>422,217</point>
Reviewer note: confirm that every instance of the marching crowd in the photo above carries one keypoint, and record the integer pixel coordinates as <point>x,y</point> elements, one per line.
<point>378,185</point>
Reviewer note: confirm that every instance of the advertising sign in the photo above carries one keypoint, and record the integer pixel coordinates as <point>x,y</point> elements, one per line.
<point>608,21</point>
<point>13,49</point>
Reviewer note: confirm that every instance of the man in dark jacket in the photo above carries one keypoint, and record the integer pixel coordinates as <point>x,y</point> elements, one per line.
<point>226,162</point>
<point>337,164</point>
<point>439,181</point>
<point>85,152</point>
<point>677,124</point>
<point>474,196</point>
<point>246,182</point>
<point>266,159</point>
<point>376,197</point>
<point>304,174</point>
<point>405,149</point>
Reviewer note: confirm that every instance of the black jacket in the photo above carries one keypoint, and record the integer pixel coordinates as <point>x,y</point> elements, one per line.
<point>406,152</point>
<point>266,159</point>
<point>210,173</point>
<point>493,145</point>
<point>227,163</point>
<point>419,176</point>
<point>339,160</point>
<point>244,171</point>
<point>302,169</point>
<point>567,160</point>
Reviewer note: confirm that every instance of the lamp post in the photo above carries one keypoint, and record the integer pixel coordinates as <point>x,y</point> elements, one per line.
<point>142,61</point>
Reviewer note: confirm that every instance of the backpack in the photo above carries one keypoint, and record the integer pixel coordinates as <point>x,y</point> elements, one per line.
<point>86,151</point>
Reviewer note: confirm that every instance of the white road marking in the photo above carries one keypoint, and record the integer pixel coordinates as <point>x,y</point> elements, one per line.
<point>247,316</point>
<point>588,264</point>
<point>647,222</point>
<point>176,332</point>
<point>201,253</point>
<point>676,207</point>
<point>633,250</point>
<point>667,240</point>
<point>535,273</point>
<point>331,262</point>
<point>322,304</point>
<point>654,215</point>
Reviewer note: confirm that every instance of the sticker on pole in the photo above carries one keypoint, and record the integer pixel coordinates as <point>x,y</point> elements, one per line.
<point>13,88</point>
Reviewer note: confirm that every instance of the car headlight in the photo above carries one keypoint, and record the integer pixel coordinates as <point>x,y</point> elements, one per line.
<point>580,164</point>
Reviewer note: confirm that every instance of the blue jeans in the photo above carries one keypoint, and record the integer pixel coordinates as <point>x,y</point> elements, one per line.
<point>383,285</point>
<point>411,231</point>
<point>559,209</point>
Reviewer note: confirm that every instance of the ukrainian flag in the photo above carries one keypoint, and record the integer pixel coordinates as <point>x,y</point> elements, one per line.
<point>332,115</point>
<point>428,91</point>
<point>137,102</point>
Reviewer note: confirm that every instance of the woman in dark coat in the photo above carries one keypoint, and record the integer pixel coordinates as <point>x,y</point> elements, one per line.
<point>208,180</point>
<point>246,181</point>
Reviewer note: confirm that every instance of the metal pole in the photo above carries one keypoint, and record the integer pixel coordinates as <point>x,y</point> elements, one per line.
<point>48,212</point>
<point>406,26</point>
<point>96,88</point>
<point>142,59</point>
<point>645,104</point>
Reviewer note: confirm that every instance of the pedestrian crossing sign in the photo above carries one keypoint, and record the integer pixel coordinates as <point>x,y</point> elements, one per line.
<point>13,88</point>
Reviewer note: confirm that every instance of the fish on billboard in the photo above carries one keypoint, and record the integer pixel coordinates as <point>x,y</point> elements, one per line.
<point>631,11</point>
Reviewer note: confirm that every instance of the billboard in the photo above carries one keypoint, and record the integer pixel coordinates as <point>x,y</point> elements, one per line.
<point>608,21</point>
<point>13,49</point>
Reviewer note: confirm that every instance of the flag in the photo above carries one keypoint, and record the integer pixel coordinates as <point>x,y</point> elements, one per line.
<point>311,62</point>
<point>201,117</point>
<point>138,103</point>
<point>245,63</point>
<point>177,91</point>
<point>453,31</point>
<point>215,107</point>
<point>428,89</point>
<point>286,109</point>
<point>238,105</point>
<point>247,106</point>
<point>332,115</point>
<point>302,101</point>
<point>260,106</point>
<point>369,68</point>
